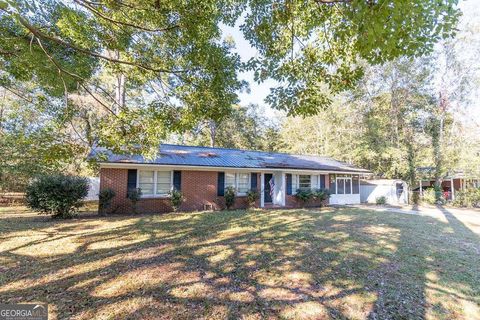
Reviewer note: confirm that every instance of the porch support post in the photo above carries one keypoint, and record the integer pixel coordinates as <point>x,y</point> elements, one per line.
<point>283,189</point>
<point>453,189</point>
<point>262,188</point>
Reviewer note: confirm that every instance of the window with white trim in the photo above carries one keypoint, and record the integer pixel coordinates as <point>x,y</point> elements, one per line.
<point>344,185</point>
<point>229,179</point>
<point>304,182</point>
<point>240,181</point>
<point>243,184</point>
<point>155,183</point>
<point>164,182</point>
<point>146,182</point>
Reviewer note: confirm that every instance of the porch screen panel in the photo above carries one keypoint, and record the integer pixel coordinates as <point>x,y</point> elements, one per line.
<point>355,184</point>
<point>348,186</point>
<point>341,186</point>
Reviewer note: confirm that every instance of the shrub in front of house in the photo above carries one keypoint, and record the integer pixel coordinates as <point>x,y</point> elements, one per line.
<point>252,196</point>
<point>176,199</point>
<point>430,196</point>
<point>321,195</point>
<point>134,196</point>
<point>229,197</point>
<point>105,197</point>
<point>57,195</point>
<point>307,195</point>
<point>380,201</point>
<point>467,198</point>
<point>304,195</point>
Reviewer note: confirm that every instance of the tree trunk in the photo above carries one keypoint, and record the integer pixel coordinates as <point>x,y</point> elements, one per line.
<point>437,141</point>
<point>213,132</point>
<point>120,91</point>
<point>119,88</point>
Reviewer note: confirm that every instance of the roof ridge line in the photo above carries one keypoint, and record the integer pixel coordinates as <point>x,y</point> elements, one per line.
<point>250,150</point>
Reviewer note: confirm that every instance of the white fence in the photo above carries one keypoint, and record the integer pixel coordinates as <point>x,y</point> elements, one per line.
<point>394,191</point>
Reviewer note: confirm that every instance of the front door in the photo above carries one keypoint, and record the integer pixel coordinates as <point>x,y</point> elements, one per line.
<point>266,182</point>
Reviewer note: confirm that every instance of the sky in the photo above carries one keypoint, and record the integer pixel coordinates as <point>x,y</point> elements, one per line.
<point>258,92</point>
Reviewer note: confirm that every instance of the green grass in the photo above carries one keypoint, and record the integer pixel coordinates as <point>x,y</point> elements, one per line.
<point>287,264</point>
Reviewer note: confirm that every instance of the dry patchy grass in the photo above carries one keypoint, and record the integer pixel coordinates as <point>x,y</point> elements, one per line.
<point>287,264</point>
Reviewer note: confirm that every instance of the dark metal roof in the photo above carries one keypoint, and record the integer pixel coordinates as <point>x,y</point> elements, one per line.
<point>230,158</point>
<point>429,173</point>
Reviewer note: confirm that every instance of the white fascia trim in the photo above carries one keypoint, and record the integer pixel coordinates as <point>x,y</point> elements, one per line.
<point>231,169</point>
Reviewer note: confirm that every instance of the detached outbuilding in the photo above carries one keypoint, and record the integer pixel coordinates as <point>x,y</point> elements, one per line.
<point>394,191</point>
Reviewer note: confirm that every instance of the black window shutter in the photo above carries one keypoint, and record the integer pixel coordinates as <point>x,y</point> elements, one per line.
<point>177,180</point>
<point>289,183</point>
<point>253,181</point>
<point>322,181</point>
<point>132,179</point>
<point>221,184</point>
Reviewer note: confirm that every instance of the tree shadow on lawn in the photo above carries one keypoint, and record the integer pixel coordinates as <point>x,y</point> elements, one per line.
<point>333,263</point>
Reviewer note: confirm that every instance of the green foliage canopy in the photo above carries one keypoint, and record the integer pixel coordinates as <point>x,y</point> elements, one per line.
<point>304,45</point>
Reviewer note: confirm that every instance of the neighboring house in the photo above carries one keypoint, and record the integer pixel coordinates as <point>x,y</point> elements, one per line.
<point>455,180</point>
<point>203,173</point>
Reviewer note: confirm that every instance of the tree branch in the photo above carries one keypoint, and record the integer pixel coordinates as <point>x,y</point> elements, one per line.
<point>101,15</point>
<point>36,32</point>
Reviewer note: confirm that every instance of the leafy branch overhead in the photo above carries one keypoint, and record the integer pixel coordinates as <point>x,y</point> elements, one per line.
<point>172,68</point>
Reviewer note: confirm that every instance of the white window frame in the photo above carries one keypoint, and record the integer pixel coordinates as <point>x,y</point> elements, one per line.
<point>344,188</point>
<point>298,180</point>
<point>236,181</point>
<point>155,195</point>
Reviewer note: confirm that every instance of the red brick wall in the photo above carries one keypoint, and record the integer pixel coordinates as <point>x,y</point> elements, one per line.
<point>199,188</point>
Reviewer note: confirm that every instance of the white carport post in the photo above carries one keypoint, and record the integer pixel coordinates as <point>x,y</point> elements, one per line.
<point>262,187</point>
<point>453,189</point>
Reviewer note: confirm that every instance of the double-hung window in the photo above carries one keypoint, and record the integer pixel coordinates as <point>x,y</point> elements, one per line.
<point>146,182</point>
<point>304,182</point>
<point>239,181</point>
<point>243,183</point>
<point>154,183</point>
<point>229,180</point>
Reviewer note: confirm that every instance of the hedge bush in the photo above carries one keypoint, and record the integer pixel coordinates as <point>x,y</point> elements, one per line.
<point>57,195</point>
<point>382,200</point>
<point>252,196</point>
<point>433,196</point>
<point>229,197</point>
<point>134,196</point>
<point>306,195</point>
<point>105,198</point>
<point>176,199</point>
<point>467,198</point>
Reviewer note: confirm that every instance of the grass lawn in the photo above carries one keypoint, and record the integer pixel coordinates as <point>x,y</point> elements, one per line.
<point>287,264</point>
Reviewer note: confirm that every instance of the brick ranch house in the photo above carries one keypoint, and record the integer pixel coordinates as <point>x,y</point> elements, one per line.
<point>203,173</point>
